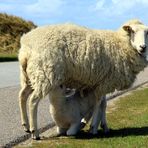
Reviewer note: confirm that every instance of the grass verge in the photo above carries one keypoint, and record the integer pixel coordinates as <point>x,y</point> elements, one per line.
<point>8,57</point>
<point>128,123</point>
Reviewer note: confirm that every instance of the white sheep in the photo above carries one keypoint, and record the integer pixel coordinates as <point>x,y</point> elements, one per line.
<point>80,58</point>
<point>72,112</point>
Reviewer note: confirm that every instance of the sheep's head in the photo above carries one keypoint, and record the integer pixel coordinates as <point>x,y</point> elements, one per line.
<point>138,37</point>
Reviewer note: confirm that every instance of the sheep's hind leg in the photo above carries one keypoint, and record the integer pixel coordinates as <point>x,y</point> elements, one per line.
<point>96,118</point>
<point>33,105</point>
<point>103,115</point>
<point>23,96</point>
<point>73,130</point>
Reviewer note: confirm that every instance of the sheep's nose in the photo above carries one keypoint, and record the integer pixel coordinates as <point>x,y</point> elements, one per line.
<point>143,48</point>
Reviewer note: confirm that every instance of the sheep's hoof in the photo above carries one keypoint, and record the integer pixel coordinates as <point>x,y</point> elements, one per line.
<point>82,125</point>
<point>26,128</point>
<point>105,129</point>
<point>35,137</point>
<point>71,133</point>
<point>27,131</point>
<point>61,134</point>
<point>93,130</point>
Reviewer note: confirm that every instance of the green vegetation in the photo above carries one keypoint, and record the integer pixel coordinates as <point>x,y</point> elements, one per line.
<point>128,122</point>
<point>8,57</point>
<point>11,29</point>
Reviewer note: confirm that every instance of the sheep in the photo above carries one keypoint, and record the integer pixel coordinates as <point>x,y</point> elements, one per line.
<point>71,113</point>
<point>81,58</point>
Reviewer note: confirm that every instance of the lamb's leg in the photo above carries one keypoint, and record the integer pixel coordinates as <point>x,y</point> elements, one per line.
<point>103,114</point>
<point>23,96</point>
<point>96,118</point>
<point>73,130</point>
<point>61,131</point>
<point>83,123</point>
<point>33,104</point>
<point>85,120</point>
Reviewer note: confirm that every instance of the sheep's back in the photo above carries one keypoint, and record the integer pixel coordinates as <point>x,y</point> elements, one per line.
<point>81,58</point>
<point>72,50</point>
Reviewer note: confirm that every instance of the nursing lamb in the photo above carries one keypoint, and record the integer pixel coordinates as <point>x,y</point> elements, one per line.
<point>70,112</point>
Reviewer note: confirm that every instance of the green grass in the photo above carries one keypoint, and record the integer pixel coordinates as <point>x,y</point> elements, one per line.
<point>128,123</point>
<point>8,57</point>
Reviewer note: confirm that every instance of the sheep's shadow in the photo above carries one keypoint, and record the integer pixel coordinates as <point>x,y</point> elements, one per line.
<point>123,132</point>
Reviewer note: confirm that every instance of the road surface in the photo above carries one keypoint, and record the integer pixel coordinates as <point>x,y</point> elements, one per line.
<point>9,74</point>
<point>10,126</point>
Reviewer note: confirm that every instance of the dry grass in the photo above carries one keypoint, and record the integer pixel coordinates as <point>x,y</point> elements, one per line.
<point>11,29</point>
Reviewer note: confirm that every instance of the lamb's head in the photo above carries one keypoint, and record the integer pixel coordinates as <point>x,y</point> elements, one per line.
<point>58,92</point>
<point>138,34</point>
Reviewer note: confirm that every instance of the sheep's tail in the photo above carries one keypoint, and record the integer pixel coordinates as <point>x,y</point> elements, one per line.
<point>23,73</point>
<point>23,60</point>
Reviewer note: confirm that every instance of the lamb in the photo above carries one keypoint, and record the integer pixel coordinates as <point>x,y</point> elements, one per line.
<point>81,58</point>
<point>72,112</point>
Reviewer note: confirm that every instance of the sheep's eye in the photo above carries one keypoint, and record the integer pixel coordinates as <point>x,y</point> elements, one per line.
<point>132,31</point>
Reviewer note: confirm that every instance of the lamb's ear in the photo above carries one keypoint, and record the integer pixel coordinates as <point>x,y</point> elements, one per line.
<point>127,28</point>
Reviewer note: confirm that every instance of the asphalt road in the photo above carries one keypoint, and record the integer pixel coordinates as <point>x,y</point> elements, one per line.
<point>10,126</point>
<point>9,74</point>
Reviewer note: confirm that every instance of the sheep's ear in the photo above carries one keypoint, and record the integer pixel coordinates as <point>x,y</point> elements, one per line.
<point>127,28</point>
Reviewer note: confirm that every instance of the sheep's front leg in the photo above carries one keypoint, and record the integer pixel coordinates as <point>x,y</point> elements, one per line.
<point>23,96</point>
<point>73,130</point>
<point>99,115</point>
<point>96,118</point>
<point>103,114</point>
<point>33,104</point>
